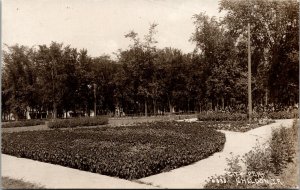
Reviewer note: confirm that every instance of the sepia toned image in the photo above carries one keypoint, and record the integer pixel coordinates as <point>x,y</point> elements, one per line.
<point>149,94</point>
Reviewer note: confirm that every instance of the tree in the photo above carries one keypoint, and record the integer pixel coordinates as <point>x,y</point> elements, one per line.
<point>52,75</point>
<point>69,80</point>
<point>103,73</point>
<point>18,80</point>
<point>84,76</point>
<point>140,60</point>
<point>222,73</point>
<point>174,79</point>
<point>274,28</point>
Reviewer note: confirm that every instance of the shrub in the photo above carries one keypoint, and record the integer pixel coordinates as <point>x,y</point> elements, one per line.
<point>129,152</point>
<point>283,115</point>
<point>78,122</point>
<point>282,147</point>
<point>219,116</point>
<point>23,123</point>
<point>259,159</point>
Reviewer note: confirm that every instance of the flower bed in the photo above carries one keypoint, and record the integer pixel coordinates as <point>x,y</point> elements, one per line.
<point>78,122</point>
<point>126,152</point>
<point>24,123</point>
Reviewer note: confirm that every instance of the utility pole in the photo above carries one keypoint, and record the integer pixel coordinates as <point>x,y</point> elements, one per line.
<point>95,104</point>
<point>249,76</point>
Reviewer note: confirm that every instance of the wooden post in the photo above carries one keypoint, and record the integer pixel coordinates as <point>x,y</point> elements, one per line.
<point>249,76</point>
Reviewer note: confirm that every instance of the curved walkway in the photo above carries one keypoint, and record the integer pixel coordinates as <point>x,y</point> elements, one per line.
<point>195,175</point>
<point>192,176</point>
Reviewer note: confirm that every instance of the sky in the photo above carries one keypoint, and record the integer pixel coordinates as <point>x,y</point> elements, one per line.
<point>100,25</point>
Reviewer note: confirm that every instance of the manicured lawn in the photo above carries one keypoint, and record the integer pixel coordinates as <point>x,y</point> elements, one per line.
<point>130,152</point>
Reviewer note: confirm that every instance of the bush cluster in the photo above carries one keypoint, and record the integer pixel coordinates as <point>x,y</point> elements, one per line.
<point>283,115</point>
<point>224,116</point>
<point>283,147</point>
<point>220,116</point>
<point>128,152</point>
<point>270,158</point>
<point>23,123</point>
<point>77,122</point>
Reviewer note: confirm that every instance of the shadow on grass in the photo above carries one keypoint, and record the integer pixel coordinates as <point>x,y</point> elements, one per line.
<point>8,183</point>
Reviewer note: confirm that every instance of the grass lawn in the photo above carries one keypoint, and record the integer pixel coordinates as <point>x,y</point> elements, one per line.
<point>8,183</point>
<point>129,152</point>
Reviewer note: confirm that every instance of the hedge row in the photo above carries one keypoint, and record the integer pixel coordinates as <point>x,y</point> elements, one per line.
<point>77,122</point>
<point>283,115</point>
<point>219,116</point>
<point>236,126</point>
<point>24,123</point>
<point>127,152</point>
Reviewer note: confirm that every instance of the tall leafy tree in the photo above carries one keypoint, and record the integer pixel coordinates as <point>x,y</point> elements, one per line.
<point>274,33</point>
<point>52,75</point>
<point>19,80</point>
<point>140,58</point>
<point>223,74</point>
<point>103,73</point>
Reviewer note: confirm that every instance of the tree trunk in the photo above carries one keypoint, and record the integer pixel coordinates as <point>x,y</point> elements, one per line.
<point>188,105</point>
<point>146,108</point>
<point>200,109</point>
<point>216,108</point>
<point>170,107</point>
<point>154,106</point>
<point>223,103</point>
<point>266,95</point>
<point>95,100</point>
<point>54,110</point>
<point>87,110</point>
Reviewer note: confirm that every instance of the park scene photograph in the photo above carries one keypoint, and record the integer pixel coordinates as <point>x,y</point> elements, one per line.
<point>150,94</point>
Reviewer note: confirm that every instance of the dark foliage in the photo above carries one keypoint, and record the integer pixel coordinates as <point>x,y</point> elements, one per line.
<point>78,122</point>
<point>126,152</point>
<point>237,126</point>
<point>283,115</point>
<point>213,116</point>
<point>24,123</point>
